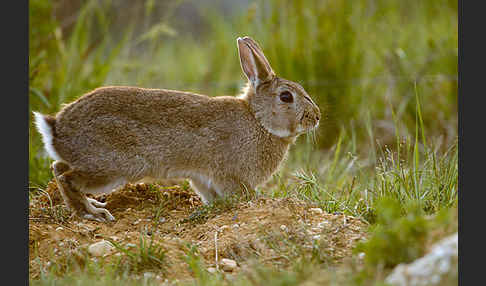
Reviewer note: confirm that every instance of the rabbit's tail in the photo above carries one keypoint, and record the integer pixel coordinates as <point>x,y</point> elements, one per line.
<point>46,125</point>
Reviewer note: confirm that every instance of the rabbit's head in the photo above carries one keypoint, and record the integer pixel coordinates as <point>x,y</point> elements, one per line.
<point>283,107</point>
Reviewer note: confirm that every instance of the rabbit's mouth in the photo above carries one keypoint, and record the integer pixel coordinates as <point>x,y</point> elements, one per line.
<point>309,122</point>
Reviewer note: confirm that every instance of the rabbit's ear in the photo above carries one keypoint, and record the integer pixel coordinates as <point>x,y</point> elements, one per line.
<point>253,62</point>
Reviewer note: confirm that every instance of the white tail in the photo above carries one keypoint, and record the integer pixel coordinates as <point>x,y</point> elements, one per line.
<point>46,131</point>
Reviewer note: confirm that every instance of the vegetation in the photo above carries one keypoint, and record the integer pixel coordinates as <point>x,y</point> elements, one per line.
<point>384,74</point>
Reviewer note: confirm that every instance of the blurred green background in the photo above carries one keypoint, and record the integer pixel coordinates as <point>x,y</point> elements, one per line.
<point>368,64</point>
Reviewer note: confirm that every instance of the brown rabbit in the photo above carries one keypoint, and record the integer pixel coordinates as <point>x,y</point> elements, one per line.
<point>117,134</point>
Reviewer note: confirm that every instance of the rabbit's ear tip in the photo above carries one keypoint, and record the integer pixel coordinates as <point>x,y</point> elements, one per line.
<point>243,38</point>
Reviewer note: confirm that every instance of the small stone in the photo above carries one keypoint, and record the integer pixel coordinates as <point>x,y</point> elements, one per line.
<point>316,210</point>
<point>162,220</point>
<point>137,221</point>
<point>316,237</point>
<point>212,270</point>
<point>59,228</point>
<point>100,248</point>
<point>130,245</point>
<point>236,225</point>
<point>228,264</point>
<point>148,275</point>
<point>283,227</point>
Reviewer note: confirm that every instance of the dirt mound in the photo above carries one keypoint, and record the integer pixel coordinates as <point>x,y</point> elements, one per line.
<point>262,229</point>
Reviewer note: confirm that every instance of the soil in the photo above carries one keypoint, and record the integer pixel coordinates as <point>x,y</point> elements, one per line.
<point>266,230</point>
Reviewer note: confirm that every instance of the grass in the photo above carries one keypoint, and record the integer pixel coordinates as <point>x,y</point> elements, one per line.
<point>384,74</point>
<point>341,181</point>
<point>148,256</point>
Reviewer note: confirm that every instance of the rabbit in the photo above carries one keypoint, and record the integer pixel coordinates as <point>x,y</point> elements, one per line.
<point>223,145</point>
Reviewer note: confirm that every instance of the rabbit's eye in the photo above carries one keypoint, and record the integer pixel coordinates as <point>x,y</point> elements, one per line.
<point>286,97</point>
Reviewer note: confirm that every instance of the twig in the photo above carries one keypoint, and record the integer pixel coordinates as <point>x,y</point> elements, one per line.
<point>216,248</point>
<point>40,218</point>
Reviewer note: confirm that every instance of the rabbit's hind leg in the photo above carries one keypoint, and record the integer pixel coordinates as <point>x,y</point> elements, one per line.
<point>58,168</point>
<point>96,203</point>
<point>68,181</point>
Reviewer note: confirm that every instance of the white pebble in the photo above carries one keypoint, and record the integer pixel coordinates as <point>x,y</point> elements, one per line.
<point>100,248</point>
<point>228,264</point>
<point>316,210</point>
<point>148,275</point>
<point>59,228</point>
<point>283,227</point>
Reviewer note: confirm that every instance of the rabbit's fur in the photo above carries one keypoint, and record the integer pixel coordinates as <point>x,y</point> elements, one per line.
<point>114,135</point>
